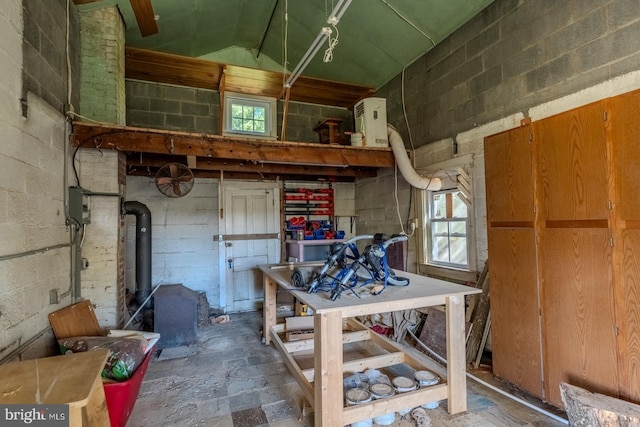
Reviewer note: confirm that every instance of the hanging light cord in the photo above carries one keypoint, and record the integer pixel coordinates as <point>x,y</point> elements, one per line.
<point>333,42</point>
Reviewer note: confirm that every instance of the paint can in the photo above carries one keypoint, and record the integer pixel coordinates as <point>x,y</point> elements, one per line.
<point>403,385</point>
<point>357,396</point>
<point>382,391</point>
<point>426,379</point>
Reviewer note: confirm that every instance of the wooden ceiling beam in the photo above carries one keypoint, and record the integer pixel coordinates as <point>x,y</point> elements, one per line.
<point>140,160</point>
<point>143,11</point>
<point>150,172</point>
<point>139,140</point>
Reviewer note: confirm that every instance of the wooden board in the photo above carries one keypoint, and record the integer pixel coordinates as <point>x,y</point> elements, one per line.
<point>624,133</point>
<point>434,331</point>
<point>577,311</point>
<point>515,327</point>
<point>72,379</point>
<point>572,165</point>
<point>509,176</point>
<point>76,320</point>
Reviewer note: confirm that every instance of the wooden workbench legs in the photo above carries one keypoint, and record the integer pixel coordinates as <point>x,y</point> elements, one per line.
<point>328,369</point>
<point>269,309</point>
<point>456,356</point>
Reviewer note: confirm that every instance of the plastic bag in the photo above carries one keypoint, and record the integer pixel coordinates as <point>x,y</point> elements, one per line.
<point>125,354</point>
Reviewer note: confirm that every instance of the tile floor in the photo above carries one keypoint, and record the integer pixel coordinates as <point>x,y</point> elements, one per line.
<point>230,379</point>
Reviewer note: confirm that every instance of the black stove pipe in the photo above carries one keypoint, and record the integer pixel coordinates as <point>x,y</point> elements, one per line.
<point>143,247</point>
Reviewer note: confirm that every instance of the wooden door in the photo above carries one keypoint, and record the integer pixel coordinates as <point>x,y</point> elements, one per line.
<point>624,134</point>
<point>515,327</point>
<point>252,225</point>
<point>575,255</point>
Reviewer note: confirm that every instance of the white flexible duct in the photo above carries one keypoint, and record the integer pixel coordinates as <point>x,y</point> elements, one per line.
<point>406,169</point>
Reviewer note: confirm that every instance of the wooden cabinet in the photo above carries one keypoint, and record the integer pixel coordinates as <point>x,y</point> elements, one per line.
<point>563,195</point>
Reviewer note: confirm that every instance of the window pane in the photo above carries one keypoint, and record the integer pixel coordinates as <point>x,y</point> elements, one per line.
<point>259,127</point>
<point>236,110</point>
<point>440,250</point>
<point>459,208</point>
<point>258,113</point>
<point>247,112</point>
<point>458,227</point>
<point>440,228</point>
<point>247,125</point>
<point>236,124</point>
<point>458,250</point>
<point>439,206</point>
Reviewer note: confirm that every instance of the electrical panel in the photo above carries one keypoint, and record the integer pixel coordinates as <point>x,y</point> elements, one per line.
<point>371,121</point>
<point>79,205</point>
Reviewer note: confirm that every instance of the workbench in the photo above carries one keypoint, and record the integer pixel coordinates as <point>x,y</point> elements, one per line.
<point>323,384</point>
<point>72,379</point>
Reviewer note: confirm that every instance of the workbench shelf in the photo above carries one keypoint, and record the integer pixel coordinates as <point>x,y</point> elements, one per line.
<point>309,211</point>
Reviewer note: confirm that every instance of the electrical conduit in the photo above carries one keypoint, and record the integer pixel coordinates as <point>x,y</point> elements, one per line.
<point>404,164</point>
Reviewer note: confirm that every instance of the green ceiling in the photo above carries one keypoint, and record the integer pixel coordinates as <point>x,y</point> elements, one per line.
<point>374,42</point>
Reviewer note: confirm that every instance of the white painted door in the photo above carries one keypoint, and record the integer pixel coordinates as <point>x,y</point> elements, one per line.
<point>251,219</point>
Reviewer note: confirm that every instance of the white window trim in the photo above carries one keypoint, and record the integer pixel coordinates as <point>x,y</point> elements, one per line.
<point>271,113</point>
<point>429,236</point>
<point>445,170</point>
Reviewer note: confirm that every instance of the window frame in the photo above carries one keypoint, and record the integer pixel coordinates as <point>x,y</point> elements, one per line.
<point>429,233</point>
<point>269,104</point>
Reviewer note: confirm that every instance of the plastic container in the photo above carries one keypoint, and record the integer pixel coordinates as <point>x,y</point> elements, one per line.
<point>357,396</point>
<point>383,391</point>
<point>403,385</point>
<point>426,379</point>
<point>121,396</point>
<point>356,381</point>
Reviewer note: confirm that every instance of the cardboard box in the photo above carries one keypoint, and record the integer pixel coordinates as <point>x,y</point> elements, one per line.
<point>298,328</point>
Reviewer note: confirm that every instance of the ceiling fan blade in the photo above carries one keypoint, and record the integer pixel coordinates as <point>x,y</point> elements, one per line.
<point>163,180</point>
<point>173,170</point>
<point>176,190</point>
<point>143,10</point>
<point>185,178</point>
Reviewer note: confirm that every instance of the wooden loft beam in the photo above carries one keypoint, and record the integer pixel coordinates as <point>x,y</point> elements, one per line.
<point>142,161</point>
<point>150,65</point>
<point>153,141</point>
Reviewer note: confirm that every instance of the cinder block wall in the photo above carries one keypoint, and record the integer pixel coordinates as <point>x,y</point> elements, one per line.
<point>183,248</point>
<point>163,106</point>
<point>102,98</point>
<point>517,58</point>
<point>31,178</point>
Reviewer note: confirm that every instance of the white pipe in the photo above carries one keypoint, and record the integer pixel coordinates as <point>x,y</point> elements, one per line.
<point>406,169</point>
<point>492,387</point>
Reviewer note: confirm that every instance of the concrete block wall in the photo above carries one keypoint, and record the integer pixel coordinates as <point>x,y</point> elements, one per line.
<point>516,59</point>
<point>32,212</point>
<point>102,98</point>
<point>183,247</point>
<point>44,71</point>
<point>162,106</point>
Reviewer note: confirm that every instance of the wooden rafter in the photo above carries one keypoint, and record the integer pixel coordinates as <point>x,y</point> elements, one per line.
<point>148,149</point>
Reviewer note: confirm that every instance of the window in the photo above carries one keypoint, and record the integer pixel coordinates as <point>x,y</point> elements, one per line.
<point>448,219</point>
<point>249,115</point>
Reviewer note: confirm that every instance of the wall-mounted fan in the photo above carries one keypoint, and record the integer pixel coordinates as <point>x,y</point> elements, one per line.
<point>174,180</point>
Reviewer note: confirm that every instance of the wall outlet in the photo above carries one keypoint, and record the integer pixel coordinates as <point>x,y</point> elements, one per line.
<point>54,298</point>
<point>84,264</point>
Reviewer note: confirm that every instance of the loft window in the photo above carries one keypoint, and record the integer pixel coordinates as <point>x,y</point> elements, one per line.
<point>448,219</point>
<point>249,115</point>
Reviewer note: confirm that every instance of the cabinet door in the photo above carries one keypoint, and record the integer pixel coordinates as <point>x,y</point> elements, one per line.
<point>624,128</point>
<point>515,325</point>
<point>578,325</point>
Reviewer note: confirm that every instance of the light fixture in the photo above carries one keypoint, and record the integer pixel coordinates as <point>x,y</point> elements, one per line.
<point>325,32</point>
<point>338,11</point>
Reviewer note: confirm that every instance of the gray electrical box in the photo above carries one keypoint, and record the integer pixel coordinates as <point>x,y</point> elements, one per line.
<point>79,205</point>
